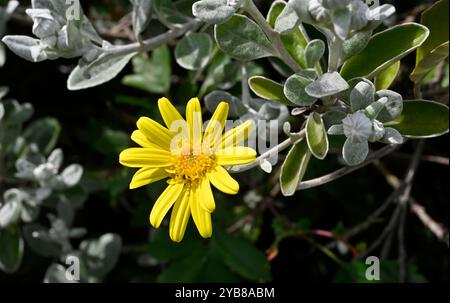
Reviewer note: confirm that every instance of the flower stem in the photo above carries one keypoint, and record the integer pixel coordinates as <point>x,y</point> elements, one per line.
<point>273,36</point>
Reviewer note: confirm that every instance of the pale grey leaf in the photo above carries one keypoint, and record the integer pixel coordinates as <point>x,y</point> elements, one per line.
<point>355,153</point>
<point>328,84</point>
<point>98,72</point>
<point>362,95</point>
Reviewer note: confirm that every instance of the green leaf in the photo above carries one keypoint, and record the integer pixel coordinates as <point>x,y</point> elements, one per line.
<point>294,90</point>
<point>387,76</point>
<point>163,249</point>
<point>384,49</point>
<point>436,46</point>
<point>215,270</point>
<point>314,52</point>
<point>44,132</point>
<point>242,257</point>
<point>193,51</point>
<point>242,39</point>
<point>355,44</point>
<point>185,270</point>
<point>111,142</point>
<point>294,42</point>
<point>151,75</point>
<point>422,119</point>
<point>11,208</point>
<point>268,89</point>
<point>11,252</point>
<point>168,14</point>
<point>98,72</point>
<point>294,167</point>
<point>316,136</point>
<point>433,59</point>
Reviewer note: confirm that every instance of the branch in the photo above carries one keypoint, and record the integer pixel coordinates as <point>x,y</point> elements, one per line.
<point>295,138</point>
<point>153,42</point>
<point>436,228</point>
<point>348,169</point>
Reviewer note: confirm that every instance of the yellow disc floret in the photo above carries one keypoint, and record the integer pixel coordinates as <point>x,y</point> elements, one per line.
<point>192,167</point>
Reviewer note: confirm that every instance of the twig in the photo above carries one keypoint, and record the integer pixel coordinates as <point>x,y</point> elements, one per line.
<point>436,228</point>
<point>348,169</point>
<point>153,42</point>
<point>402,194</point>
<point>387,230</point>
<point>272,152</point>
<point>428,158</point>
<point>440,231</point>
<point>401,245</point>
<point>373,217</point>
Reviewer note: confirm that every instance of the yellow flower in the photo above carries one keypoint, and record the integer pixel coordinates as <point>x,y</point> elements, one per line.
<point>191,159</point>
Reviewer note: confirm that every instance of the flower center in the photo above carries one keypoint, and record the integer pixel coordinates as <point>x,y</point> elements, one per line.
<point>192,167</point>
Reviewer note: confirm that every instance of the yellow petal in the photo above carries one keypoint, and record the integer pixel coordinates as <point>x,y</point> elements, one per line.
<point>222,180</point>
<point>138,137</point>
<point>155,132</point>
<point>145,157</point>
<point>168,112</point>
<point>238,135</point>
<point>202,218</point>
<point>147,175</point>
<point>216,125</point>
<point>235,156</point>
<point>180,217</point>
<point>206,196</point>
<point>164,203</point>
<point>194,119</point>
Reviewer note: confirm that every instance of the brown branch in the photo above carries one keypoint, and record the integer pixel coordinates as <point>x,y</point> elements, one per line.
<point>437,229</point>
<point>348,169</point>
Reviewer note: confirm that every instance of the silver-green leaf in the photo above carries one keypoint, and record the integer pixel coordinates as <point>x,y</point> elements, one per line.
<point>98,72</point>
<point>242,39</point>
<point>193,51</point>
<point>328,84</point>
